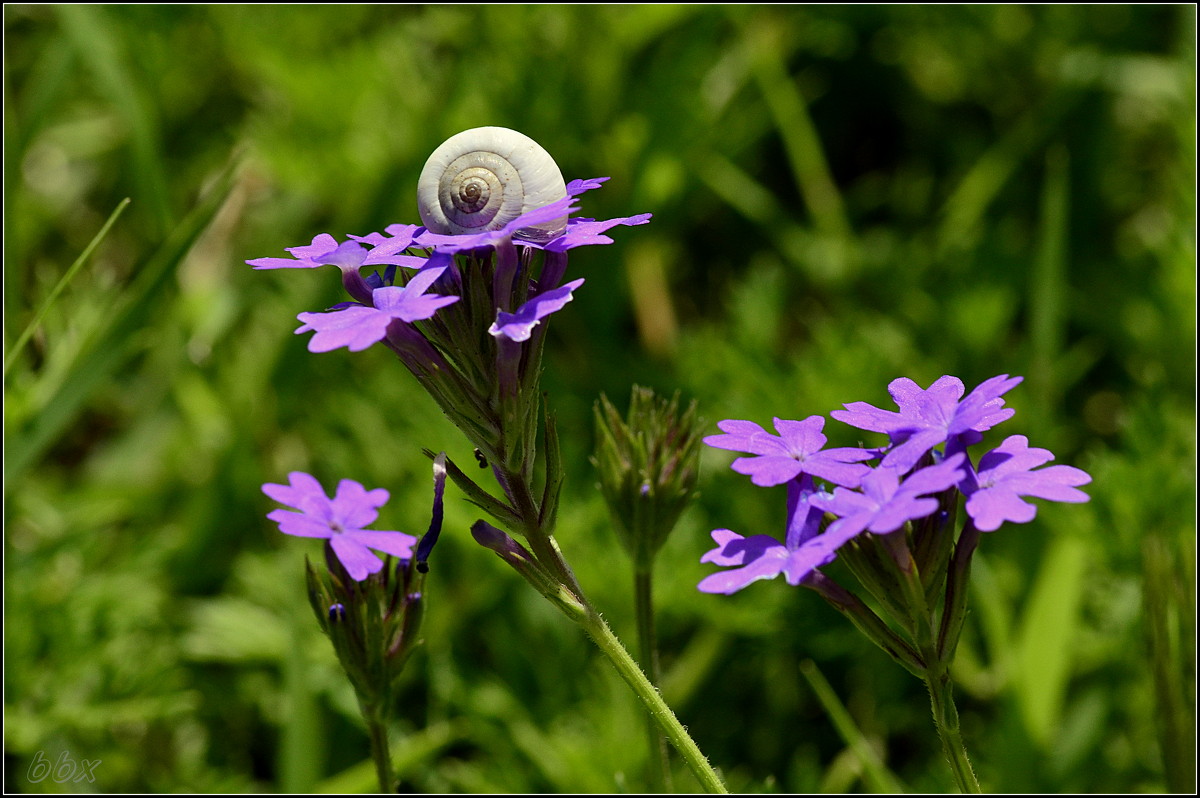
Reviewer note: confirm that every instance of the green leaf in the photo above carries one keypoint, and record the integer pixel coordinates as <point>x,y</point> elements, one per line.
<point>1046,637</point>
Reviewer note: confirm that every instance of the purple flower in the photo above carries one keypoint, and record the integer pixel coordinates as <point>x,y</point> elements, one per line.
<point>486,239</point>
<point>357,326</point>
<point>390,250</point>
<point>323,250</point>
<point>584,232</point>
<point>933,416</point>
<point>339,520</point>
<point>795,450</point>
<point>580,232</point>
<point>348,256</point>
<point>1006,473</point>
<point>579,186</point>
<point>764,557</point>
<point>752,558</point>
<point>886,503</point>
<point>519,326</point>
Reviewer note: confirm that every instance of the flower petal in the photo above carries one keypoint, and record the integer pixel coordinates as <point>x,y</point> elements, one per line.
<point>299,524</point>
<point>355,328</point>
<point>989,509</point>
<point>768,566</point>
<point>733,549</point>
<point>519,326</point>
<point>397,544</point>
<point>357,558</point>
<point>768,470</point>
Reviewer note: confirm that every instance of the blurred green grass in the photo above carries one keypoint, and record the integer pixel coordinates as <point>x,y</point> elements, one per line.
<point>842,195</point>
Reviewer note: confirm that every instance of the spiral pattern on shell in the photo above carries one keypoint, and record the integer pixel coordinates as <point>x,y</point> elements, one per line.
<point>483,178</point>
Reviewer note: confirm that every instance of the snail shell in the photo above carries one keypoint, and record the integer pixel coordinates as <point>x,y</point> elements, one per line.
<point>483,178</point>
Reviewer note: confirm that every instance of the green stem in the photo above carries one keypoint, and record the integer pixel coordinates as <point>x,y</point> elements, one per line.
<point>945,717</point>
<point>377,730</point>
<point>540,540</point>
<point>599,631</point>
<point>580,610</point>
<point>955,609</point>
<point>643,597</point>
<point>937,672</point>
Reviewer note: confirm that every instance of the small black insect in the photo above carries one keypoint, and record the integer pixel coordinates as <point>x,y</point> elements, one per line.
<point>479,458</point>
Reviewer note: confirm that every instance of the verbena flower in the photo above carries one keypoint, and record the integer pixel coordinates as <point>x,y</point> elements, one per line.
<point>519,326</point>
<point>357,327</point>
<point>795,450</point>
<point>579,232</point>
<point>584,232</point>
<point>885,502</point>
<point>490,239</point>
<point>763,556</point>
<point>341,521</point>
<point>349,257</point>
<point>390,250</point>
<point>489,391</point>
<point>883,506</point>
<point>1006,473</point>
<point>580,185</point>
<point>928,417</point>
<point>324,250</point>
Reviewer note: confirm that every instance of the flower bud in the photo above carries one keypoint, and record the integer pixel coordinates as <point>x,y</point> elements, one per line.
<point>524,563</point>
<point>648,464</point>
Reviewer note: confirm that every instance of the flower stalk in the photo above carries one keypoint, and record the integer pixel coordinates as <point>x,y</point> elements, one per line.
<point>643,604</point>
<point>648,463</point>
<point>653,701</point>
<point>463,302</point>
<point>380,752</point>
<point>945,718</point>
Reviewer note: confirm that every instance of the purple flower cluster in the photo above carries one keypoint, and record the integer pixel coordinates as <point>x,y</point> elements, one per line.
<point>465,314</point>
<point>381,303</point>
<point>899,489</point>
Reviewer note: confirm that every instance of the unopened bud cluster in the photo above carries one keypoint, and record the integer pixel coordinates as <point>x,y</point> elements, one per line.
<point>374,624</point>
<point>648,463</point>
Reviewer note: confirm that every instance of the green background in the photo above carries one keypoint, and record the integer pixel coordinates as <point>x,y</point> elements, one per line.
<point>841,196</point>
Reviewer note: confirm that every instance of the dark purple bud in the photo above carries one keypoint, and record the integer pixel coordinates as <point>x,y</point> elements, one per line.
<point>429,539</point>
<point>356,285</point>
<point>337,613</point>
<point>489,537</point>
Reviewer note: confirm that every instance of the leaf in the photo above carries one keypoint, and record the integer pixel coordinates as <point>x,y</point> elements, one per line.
<point>1045,639</point>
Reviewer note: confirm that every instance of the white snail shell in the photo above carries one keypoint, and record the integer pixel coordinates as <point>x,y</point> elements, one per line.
<point>483,178</point>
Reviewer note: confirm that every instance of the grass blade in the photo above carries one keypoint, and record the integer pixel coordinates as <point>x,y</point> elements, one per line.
<point>111,344</point>
<point>25,335</point>
<point>875,773</point>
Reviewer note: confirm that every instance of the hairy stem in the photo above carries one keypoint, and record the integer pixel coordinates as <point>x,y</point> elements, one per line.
<point>603,636</point>
<point>945,717</point>
<point>377,730</point>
